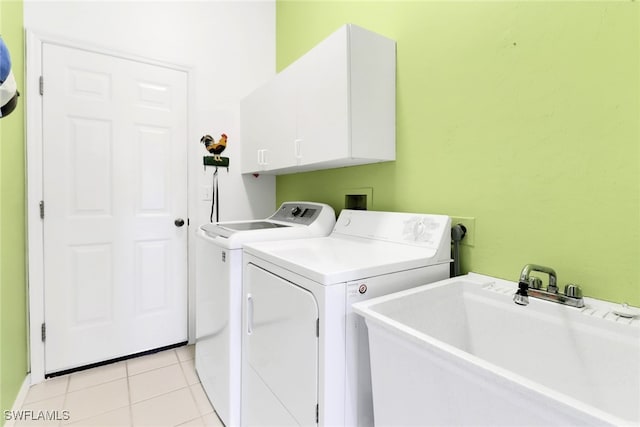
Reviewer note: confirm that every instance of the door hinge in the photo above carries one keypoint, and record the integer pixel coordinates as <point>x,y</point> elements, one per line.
<point>318,327</point>
<point>317,413</point>
<point>41,84</point>
<point>42,209</point>
<point>43,332</point>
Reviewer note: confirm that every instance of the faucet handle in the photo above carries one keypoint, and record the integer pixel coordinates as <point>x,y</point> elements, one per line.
<point>572,290</point>
<point>535,282</point>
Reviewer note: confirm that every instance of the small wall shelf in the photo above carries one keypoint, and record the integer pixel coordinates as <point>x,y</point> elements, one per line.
<point>211,161</point>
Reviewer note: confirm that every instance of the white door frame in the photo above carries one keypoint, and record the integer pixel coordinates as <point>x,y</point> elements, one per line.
<point>34,178</point>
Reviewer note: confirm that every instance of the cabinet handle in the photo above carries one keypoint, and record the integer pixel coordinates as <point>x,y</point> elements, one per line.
<point>262,157</point>
<point>298,148</point>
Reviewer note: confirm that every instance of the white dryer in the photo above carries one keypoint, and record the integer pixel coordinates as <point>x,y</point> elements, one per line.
<point>305,353</point>
<point>219,293</point>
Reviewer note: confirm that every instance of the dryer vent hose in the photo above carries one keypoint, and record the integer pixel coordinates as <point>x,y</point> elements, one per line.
<point>458,232</point>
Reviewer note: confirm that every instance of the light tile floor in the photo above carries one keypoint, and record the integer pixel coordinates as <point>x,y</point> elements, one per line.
<point>158,390</point>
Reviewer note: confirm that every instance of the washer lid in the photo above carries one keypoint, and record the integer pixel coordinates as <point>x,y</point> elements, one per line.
<point>232,235</point>
<point>337,259</point>
<point>293,220</point>
<point>214,229</point>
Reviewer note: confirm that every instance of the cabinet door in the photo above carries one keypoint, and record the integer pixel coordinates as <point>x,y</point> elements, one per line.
<point>281,131</point>
<point>322,101</point>
<point>268,127</point>
<point>253,119</point>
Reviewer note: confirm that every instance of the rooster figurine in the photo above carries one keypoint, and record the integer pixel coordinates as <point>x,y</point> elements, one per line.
<point>215,148</point>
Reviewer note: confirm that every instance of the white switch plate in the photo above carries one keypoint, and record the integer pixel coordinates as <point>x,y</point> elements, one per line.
<point>207,193</point>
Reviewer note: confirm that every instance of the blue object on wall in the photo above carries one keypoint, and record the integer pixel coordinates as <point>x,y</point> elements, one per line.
<point>8,87</point>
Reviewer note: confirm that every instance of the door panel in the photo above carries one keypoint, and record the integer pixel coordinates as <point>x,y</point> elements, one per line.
<point>281,352</point>
<point>115,178</point>
<point>91,163</point>
<point>93,303</point>
<point>153,151</point>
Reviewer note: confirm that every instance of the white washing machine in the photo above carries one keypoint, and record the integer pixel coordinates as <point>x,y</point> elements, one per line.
<point>219,293</point>
<point>305,352</point>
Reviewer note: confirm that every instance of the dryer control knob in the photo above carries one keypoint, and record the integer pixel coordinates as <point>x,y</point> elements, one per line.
<point>296,211</point>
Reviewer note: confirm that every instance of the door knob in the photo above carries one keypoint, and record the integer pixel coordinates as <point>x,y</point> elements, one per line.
<point>179,222</point>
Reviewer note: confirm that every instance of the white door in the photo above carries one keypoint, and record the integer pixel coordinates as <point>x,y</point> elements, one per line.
<point>281,352</point>
<point>115,180</point>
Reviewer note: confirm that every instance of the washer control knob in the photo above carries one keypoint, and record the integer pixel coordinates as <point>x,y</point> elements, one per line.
<point>296,211</point>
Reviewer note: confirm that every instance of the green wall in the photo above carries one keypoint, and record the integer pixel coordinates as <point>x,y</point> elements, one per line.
<point>13,311</point>
<point>523,115</point>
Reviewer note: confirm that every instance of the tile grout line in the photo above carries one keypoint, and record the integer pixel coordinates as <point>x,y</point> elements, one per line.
<point>187,386</point>
<point>199,383</point>
<point>190,387</point>
<point>94,414</point>
<point>129,395</point>
<point>193,398</point>
<point>154,369</point>
<point>87,387</point>
<point>32,386</point>
<point>155,396</point>
<point>163,394</point>
<point>186,380</point>
<point>66,394</point>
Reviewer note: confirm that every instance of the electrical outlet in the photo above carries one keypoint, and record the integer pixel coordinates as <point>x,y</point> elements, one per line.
<point>470,224</point>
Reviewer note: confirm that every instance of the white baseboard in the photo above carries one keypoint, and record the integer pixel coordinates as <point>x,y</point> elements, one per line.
<point>20,398</point>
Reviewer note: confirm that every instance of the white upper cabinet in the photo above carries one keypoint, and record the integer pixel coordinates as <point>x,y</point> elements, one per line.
<point>334,106</point>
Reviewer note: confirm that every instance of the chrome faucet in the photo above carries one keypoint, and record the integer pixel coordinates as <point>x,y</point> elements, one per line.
<point>531,286</point>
